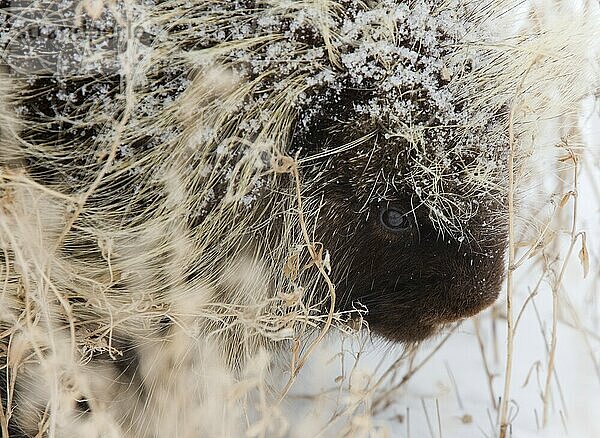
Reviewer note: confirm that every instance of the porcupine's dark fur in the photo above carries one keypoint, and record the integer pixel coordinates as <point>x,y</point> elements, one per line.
<point>166,213</point>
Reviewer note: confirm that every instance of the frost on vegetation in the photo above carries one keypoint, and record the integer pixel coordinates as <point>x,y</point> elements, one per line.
<point>408,62</point>
<point>160,157</point>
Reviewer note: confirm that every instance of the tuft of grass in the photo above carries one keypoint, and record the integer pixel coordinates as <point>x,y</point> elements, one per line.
<point>195,128</point>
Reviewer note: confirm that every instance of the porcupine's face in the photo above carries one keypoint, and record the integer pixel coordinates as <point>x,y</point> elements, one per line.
<point>405,164</point>
<point>389,256</point>
<point>390,253</point>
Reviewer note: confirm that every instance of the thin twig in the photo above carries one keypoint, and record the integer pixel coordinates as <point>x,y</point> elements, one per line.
<point>437,408</point>
<point>488,373</point>
<point>509,279</point>
<point>413,370</point>
<point>289,165</point>
<point>429,426</point>
<point>556,290</point>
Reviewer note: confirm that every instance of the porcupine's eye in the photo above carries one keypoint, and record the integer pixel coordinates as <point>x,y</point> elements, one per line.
<point>392,219</point>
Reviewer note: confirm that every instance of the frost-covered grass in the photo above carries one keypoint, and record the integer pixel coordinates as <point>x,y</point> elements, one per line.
<point>191,123</point>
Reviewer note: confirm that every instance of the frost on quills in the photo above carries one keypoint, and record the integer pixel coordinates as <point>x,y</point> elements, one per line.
<point>193,193</point>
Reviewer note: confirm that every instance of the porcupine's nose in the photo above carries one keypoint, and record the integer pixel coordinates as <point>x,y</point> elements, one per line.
<point>466,285</point>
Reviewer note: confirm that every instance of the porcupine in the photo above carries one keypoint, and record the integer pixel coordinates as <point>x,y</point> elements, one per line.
<point>188,183</point>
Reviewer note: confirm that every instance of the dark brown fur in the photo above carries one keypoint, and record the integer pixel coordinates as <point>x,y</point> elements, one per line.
<point>409,282</point>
